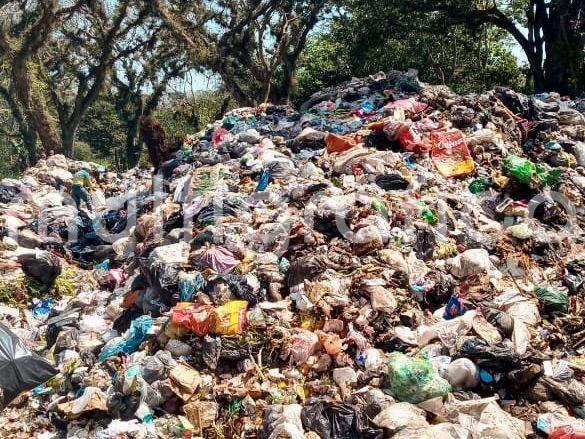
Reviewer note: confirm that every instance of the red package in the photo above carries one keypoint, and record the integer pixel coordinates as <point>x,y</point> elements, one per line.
<point>450,153</point>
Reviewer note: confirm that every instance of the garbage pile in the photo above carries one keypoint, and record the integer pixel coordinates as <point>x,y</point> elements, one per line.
<point>392,261</point>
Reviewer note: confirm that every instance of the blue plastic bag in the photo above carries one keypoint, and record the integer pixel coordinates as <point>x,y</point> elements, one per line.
<point>139,328</point>
<point>454,308</point>
<point>189,283</point>
<point>43,308</point>
<point>264,181</point>
<point>367,107</point>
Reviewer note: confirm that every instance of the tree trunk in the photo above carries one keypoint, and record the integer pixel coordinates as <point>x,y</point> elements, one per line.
<point>27,132</point>
<point>565,45</point>
<point>34,106</point>
<point>29,138</point>
<point>68,139</point>
<point>133,144</point>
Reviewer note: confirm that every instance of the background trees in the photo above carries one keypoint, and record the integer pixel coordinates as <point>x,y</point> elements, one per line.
<point>80,73</point>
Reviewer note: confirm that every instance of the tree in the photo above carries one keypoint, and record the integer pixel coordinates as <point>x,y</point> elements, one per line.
<point>443,53</point>
<point>59,55</point>
<point>324,63</point>
<point>14,125</point>
<point>554,43</point>
<point>139,84</point>
<point>104,132</point>
<point>25,28</point>
<point>253,45</point>
<point>83,53</point>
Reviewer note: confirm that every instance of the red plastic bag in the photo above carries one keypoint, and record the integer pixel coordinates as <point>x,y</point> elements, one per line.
<point>196,318</point>
<point>220,135</point>
<point>408,139</point>
<point>567,432</point>
<point>450,153</point>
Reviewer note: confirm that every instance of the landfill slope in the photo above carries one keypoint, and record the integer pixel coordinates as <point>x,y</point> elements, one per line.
<point>393,260</point>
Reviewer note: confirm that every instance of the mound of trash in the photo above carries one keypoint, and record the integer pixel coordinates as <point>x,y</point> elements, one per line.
<point>392,261</point>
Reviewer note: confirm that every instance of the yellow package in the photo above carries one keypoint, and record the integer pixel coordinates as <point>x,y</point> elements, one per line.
<point>230,319</point>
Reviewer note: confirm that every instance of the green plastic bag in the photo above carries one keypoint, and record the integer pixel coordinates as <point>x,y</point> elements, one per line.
<point>379,206</point>
<point>479,185</point>
<point>553,300</point>
<point>414,379</point>
<point>529,173</point>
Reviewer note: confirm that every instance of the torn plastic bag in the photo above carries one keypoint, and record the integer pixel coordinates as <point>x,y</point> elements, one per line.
<point>553,300</point>
<point>282,421</point>
<point>264,181</point>
<point>189,284</point>
<point>425,244</point>
<point>503,321</point>
<point>230,319</point>
<point>571,392</point>
<point>450,153</point>
<point>196,318</point>
<point>131,341</point>
<point>219,259</point>
<point>336,420</point>
<point>400,415</point>
<point>211,351</point>
<point>164,264</point>
<point>92,400</point>
<point>56,324</point>
<point>392,182</point>
<point>219,208</point>
<point>21,370</point>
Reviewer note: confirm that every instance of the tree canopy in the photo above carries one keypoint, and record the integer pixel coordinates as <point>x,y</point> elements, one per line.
<point>71,68</point>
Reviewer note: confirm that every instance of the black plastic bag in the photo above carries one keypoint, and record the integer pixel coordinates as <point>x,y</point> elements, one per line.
<point>500,358</point>
<point>20,369</point>
<point>41,266</point>
<point>392,182</point>
<point>425,244</point>
<point>336,420</point>
<point>226,207</point>
<point>211,351</point>
<point>67,319</point>
<point>238,286</point>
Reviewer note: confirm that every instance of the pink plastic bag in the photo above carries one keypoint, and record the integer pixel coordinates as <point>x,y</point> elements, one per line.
<point>410,106</point>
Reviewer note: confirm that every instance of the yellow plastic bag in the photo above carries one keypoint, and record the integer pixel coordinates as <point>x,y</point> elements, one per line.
<point>230,319</point>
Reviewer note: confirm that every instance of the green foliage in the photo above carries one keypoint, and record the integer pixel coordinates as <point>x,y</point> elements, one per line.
<point>324,62</point>
<point>12,157</point>
<point>102,136</point>
<point>377,35</point>
<point>182,115</point>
